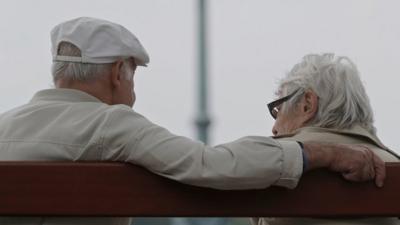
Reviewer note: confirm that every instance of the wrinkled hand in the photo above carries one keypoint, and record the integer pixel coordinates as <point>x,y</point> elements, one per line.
<point>354,162</point>
<point>358,163</point>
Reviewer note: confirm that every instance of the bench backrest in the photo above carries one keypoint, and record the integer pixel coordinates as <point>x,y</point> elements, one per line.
<point>116,189</point>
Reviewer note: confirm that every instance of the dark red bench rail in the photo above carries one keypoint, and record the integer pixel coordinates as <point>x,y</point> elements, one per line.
<point>115,189</point>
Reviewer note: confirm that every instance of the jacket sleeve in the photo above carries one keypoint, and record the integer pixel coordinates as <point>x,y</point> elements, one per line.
<point>252,162</point>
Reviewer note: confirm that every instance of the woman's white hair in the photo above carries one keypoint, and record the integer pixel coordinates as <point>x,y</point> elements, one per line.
<point>342,100</point>
<point>82,71</point>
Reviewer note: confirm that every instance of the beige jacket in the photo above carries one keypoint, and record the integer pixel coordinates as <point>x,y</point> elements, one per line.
<point>70,125</point>
<point>356,135</point>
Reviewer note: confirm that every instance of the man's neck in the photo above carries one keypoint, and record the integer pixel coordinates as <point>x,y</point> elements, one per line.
<point>95,88</point>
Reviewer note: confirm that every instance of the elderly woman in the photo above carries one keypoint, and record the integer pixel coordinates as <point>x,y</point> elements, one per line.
<point>323,98</point>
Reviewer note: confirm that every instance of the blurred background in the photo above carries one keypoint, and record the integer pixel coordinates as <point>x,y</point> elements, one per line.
<point>249,46</point>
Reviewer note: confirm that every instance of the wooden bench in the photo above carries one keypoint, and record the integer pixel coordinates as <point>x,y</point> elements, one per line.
<point>116,189</point>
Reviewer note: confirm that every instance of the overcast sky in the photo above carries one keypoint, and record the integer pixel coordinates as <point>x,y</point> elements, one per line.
<point>252,43</point>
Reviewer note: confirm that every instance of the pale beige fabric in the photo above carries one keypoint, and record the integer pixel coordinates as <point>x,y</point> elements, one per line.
<point>66,124</point>
<point>356,135</point>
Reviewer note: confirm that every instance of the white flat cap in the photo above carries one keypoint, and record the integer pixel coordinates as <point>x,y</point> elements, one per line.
<point>100,41</point>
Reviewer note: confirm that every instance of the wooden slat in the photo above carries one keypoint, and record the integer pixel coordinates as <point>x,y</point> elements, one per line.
<point>115,189</point>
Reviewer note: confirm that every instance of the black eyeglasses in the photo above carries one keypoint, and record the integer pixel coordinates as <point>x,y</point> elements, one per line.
<point>273,107</point>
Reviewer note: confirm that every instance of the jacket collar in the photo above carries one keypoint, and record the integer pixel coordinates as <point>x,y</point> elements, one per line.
<point>63,94</point>
<point>356,130</point>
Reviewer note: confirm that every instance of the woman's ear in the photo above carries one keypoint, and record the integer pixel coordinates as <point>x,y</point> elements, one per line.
<point>309,107</point>
<point>116,75</point>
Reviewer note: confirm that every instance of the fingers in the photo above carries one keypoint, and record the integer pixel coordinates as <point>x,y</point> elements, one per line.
<point>380,171</point>
<point>370,168</point>
<point>365,166</point>
<point>358,174</point>
<point>376,167</point>
<point>353,177</point>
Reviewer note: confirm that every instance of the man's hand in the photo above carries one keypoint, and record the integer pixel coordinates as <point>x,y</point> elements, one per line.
<point>354,162</point>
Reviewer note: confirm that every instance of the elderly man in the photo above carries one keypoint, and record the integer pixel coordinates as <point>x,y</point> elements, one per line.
<point>88,116</point>
<point>323,98</point>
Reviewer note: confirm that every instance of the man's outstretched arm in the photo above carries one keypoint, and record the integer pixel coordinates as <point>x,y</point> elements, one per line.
<point>252,162</point>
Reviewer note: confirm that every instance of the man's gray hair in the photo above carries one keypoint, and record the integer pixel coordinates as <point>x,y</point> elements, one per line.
<point>342,100</point>
<point>81,71</point>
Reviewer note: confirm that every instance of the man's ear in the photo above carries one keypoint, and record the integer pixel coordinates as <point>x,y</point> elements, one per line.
<point>310,105</point>
<point>116,75</point>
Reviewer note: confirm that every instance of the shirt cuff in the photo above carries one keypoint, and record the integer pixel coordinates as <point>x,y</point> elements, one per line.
<point>292,164</point>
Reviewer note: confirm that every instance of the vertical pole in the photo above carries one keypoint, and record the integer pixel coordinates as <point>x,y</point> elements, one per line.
<point>202,120</point>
